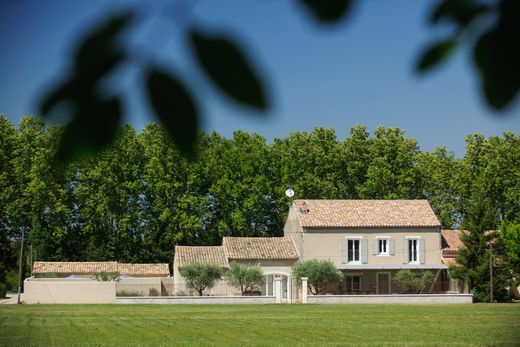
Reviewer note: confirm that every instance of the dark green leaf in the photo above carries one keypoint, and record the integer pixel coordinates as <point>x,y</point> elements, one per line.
<point>174,106</point>
<point>94,126</point>
<point>99,52</point>
<point>227,67</point>
<point>435,54</point>
<point>496,56</point>
<point>59,94</point>
<point>327,11</point>
<point>460,11</point>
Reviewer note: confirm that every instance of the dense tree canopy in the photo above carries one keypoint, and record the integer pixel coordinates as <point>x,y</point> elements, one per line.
<point>139,197</point>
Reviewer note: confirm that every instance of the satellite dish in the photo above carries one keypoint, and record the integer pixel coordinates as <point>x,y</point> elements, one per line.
<point>289,192</point>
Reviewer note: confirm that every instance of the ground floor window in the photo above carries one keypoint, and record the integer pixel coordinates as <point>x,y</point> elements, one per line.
<point>353,283</point>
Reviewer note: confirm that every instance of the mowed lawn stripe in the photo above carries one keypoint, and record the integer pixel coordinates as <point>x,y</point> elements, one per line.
<point>162,325</point>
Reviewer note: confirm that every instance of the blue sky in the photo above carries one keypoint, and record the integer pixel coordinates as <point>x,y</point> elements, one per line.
<point>360,72</point>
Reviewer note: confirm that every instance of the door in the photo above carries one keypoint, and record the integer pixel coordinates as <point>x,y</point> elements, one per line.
<point>383,283</point>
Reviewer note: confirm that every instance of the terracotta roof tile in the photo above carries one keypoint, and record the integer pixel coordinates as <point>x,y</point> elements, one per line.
<point>160,269</point>
<point>185,255</point>
<point>451,241</point>
<point>448,261</point>
<point>365,213</point>
<point>259,248</point>
<point>74,267</point>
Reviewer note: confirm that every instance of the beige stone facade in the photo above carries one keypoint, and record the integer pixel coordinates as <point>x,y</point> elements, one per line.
<point>365,240</point>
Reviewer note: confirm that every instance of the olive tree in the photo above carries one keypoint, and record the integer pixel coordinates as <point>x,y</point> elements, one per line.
<point>320,274</point>
<point>412,283</point>
<point>200,276</point>
<point>245,277</point>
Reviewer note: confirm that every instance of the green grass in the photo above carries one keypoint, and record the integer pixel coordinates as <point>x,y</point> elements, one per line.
<point>292,325</point>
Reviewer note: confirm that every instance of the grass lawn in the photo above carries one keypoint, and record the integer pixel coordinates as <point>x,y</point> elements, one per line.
<point>154,325</point>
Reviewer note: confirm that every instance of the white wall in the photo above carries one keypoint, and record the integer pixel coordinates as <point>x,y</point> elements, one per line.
<point>68,291</point>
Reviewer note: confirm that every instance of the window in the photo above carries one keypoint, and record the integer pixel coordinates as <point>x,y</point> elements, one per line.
<point>383,248</point>
<point>353,283</point>
<point>413,250</point>
<point>353,250</point>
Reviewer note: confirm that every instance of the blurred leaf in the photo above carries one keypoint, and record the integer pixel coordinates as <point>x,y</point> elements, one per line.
<point>60,93</point>
<point>94,126</point>
<point>460,11</point>
<point>327,11</point>
<point>99,53</point>
<point>175,108</point>
<point>227,67</point>
<point>497,56</point>
<point>435,54</point>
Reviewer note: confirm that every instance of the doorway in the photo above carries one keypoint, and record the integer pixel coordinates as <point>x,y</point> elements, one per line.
<point>383,283</point>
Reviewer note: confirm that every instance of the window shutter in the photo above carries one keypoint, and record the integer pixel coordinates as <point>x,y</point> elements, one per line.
<point>422,251</point>
<point>344,251</point>
<point>364,250</point>
<point>391,245</point>
<point>376,247</point>
<point>405,251</point>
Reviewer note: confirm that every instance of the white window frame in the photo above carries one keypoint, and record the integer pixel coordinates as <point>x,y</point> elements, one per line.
<point>354,238</point>
<point>387,242</point>
<point>417,249</point>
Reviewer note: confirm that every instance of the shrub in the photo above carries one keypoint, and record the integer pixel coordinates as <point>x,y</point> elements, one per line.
<point>106,276</point>
<point>125,292</point>
<point>321,274</point>
<point>153,292</point>
<point>11,280</point>
<point>245,277</point>
<point>3,290</point>
<point>200,276</point>
<point>412,283</point>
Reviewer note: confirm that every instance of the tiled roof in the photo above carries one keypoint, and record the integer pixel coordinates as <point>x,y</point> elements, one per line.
<point>74,267</point>
<point>451,244</point>
<point>100,266</point>
<point>365,213</point>
<point>185,255</point>
<point>451,241</point>
<point>259,248</point>
<point>449,261</point>
<point>144,269</point>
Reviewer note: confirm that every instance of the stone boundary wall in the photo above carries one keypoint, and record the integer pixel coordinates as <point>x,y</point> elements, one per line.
<point>41,291</point>
<point>392,299</point>
<point>198,300</point>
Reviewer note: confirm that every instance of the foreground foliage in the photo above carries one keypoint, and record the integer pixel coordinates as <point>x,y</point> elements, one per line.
<point>268,325</point>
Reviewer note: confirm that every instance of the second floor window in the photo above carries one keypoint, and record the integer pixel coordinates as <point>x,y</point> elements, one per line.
<point>413,250</point>
<point>353,250</point>
<point>383,246</point>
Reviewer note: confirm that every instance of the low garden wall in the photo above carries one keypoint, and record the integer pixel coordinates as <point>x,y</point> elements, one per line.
<point>68,291</point>
<point>392,299</point>
<point>197,300</point>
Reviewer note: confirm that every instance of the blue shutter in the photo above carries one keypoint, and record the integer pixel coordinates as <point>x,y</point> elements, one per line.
<point>391,245</point>
<point>344,251</point>
<point>364,250</point>
<point>422,251</point>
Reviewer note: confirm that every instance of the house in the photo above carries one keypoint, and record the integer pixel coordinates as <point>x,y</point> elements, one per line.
<point>274,255</point>
<point>368,240</point>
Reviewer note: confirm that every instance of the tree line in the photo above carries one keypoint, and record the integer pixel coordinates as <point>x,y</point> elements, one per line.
<point>139,197</point>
